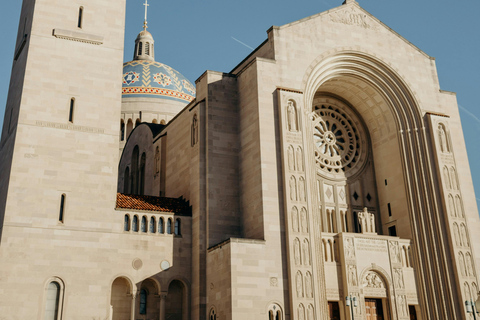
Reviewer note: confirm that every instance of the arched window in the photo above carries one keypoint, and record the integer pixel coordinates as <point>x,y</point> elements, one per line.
<point>53,301</point>
<point>140,46</point>
<point>152,225</point>
<point>169,226</point>
<point>177,227</point>
<point>122,130</point>
<point>275,312</point>
<point>161,227</point>
<point>126,180</point>
<point>129,128</point>
<point>80,17</point>
<point>126,224</point>
<point>62,207</point>
<point>135,224</point>
<point>213,314</point>
<point>142,174</point>
<point>143,301</point>
<point>144,224</point>
<point>72,109</point>
<point>134,172</point>
<point>157,160</point>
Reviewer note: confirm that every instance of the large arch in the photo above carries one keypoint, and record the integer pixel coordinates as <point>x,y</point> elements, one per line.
<point>122,298</point>
<point>378,91</point>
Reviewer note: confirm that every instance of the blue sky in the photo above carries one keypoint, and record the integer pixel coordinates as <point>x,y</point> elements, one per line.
<point>193,36</point>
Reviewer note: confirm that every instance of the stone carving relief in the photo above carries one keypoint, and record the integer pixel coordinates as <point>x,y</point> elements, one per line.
<point>402,306</point>
<point>299,284</point>
<point>293,188</point>
<point>467,291</point>
<point>295,219</point>
<point>299,159</point>
<point>352,275</point>
<point>459,207</point>
<point>395,252</point>
<point>463,235</point>
<point>453,178</point>
<point>301,189</point>
<point>303,220</point>
<point>442,139</point>
<point>461,261</point>
<point>468,262</point>
<point>301,312</point>
<point>354,18</point>
<point>446,177</point>
<point>367,221</point>
<point>296,252</point>
<point>292,116</point>
<point>311,313</point>
<point>194,130</point>
<point>373,280</point>
<point>451,206</point>
<point>398,278</point>
<point>308,285</point>
<point>349,248</point>
<point>456,232</point>
<point>291,158</point>
<point>306,252</point>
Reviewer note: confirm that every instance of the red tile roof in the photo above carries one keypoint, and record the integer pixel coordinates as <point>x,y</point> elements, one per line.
<point>149,203</point>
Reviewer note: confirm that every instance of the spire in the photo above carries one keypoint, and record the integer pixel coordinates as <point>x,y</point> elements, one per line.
<point>144,48</point>
<point>146,13</point>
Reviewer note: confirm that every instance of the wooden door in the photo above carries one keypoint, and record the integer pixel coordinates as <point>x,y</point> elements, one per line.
<point>373,309</point>
<point>333,310</point>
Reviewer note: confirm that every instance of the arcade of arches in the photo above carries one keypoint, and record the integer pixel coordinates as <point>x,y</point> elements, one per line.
<point>148,301</point>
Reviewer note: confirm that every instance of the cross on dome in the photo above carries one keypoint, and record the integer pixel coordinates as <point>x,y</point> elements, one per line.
<point>146,12</point>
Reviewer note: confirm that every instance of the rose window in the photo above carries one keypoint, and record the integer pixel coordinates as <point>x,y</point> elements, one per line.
<point>337,140</point>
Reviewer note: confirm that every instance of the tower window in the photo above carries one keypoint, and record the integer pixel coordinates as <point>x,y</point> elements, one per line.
<point>389,210</point>
<point>161,226</point>
<point>126,226</point>
<point>177,227</point>
<point>144,224</point>
<point>122,130</point>
<point>62,208</point>
<point>140,46</point>
<point>169,226</point>
<point>80,17</point>
<point>135,224</point>
<point>147,48</point>
<point>152,225</point>
<point>72,108</point>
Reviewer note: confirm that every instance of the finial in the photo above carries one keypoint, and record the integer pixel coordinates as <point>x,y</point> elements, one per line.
<point>146,12</point>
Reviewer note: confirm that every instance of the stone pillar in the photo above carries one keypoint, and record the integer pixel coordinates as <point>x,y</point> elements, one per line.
<point>163,297</point>
<point>132,308</point>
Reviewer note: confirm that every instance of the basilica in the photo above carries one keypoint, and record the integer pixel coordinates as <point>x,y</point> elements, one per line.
<point>324,177</point>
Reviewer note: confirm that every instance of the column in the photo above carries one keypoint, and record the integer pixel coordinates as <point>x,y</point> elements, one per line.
<point>163,297</point>
<point>132,308</point>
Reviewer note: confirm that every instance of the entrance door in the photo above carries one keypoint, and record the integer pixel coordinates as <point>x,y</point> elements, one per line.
<point>333,310</point>
<point>374,309</point>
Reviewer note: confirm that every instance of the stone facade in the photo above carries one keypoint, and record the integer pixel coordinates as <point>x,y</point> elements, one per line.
<point>327,164</point>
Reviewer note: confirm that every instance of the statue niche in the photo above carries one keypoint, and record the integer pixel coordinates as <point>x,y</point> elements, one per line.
<point>292,119</point>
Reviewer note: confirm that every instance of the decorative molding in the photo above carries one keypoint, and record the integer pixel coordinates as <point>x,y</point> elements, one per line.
<point>78,36</point>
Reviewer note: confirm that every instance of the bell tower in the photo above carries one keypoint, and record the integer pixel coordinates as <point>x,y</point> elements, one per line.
<point>59,143</point>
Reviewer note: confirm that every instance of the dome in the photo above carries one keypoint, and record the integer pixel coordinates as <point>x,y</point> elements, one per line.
<point>151,79</point>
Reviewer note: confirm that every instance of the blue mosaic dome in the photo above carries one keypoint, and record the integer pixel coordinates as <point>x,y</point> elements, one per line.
<point>150,79</point>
